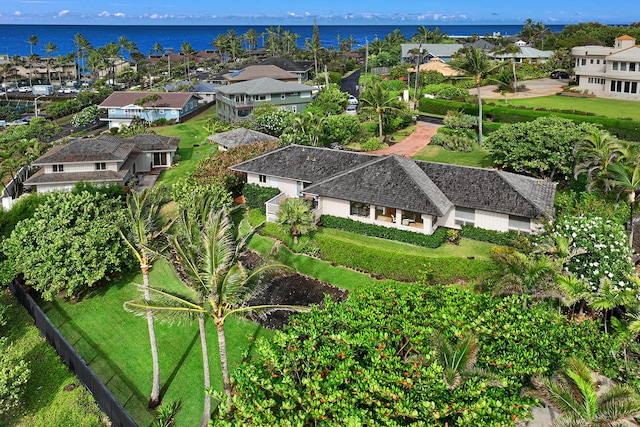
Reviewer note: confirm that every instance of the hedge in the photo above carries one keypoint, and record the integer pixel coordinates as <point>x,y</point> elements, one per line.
<point>510,238</point>
<point>628,130</point>
<point>256,196</point>
<point>432,241</point>
<point>400,266</point>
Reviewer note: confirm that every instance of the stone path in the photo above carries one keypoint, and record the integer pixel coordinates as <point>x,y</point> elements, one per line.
<point>409,146</point>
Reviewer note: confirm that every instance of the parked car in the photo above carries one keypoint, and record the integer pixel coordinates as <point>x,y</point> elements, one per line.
<point>352,100</point>
<point>352,109</point>
<point>24,89</point>
<point>558,74</point>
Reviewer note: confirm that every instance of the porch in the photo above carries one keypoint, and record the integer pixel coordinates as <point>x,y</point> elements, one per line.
<point>392,217</point>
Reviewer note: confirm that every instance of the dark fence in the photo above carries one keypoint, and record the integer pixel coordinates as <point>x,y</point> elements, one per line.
<point>105,399</point>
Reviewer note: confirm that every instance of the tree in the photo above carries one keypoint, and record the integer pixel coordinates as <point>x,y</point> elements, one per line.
<point>625,179</point>
<point>7,70</point>
<point>477,66</point>
<point>207,249</point>
<point>141,231</point>
<point>594,152</point>
<point>542,148</point>
<point>250,38</point>
<point>574,393</point>
<point>70,244</point>
<point>380,101</point>
<point>50,48</point>
<point>296,217</point>
<point>33,40</point>
<point>314,46</point>
<point>187,50</point>
<point>14,374</point>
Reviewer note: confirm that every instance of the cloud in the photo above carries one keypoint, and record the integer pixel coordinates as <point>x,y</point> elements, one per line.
<point>119,14</point>
<point>62,13</point>
<point>104,14</point>
<point>17,13</point>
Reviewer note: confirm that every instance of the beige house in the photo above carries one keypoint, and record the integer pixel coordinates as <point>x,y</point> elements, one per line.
<point>402,193</point>
<point>612,72</point>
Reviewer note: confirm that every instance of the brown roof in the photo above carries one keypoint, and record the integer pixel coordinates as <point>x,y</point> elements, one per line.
<point>437,64</point>
<point>253,72</point>
<point>625,37</point>
<point>240,136</point>
<point>175,100</point>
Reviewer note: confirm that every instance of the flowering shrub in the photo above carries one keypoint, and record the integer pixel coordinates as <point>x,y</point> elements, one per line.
<point>275,123</point>
<point>608,252</point>
<point>86,116</point>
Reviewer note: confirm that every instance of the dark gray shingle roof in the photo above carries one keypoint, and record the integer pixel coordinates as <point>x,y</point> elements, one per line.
<point>240,136</point>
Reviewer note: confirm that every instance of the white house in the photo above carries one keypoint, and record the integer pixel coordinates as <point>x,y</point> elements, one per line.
<point>612,72</point>
<point>402,193</point>
<point>103,160</point>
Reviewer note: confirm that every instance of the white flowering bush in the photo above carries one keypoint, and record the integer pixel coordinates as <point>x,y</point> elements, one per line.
<point>86,116</point>
<point>608,254</point>
<point>275,123</point>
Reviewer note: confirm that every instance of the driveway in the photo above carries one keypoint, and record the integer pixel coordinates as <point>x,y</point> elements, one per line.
<point>539,87</point>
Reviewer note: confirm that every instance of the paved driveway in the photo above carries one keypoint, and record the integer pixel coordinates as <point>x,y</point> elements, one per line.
<point>539,87</point>
<point>409,146</point>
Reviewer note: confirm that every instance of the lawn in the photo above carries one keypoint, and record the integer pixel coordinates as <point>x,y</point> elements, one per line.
<point>599,106</point>
<point>479,157</point>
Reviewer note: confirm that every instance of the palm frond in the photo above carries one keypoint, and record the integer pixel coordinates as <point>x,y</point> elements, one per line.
<point>165,306</point>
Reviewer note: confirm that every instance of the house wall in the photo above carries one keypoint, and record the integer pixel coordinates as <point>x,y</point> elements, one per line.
<point>287,186</point>
<point>492,220</point>
<point>47,188</point>
<point>82,167</point>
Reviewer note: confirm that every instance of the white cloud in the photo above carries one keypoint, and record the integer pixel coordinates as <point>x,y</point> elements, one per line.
<point>17,13</point>
<point>104,13</point>
<point>119,14</point>
<point>62,13</point>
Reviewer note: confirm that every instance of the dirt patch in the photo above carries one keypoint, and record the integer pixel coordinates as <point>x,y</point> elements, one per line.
<point>289,289</point>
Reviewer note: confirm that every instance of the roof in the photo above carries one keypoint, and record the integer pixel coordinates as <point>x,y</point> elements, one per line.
<point>105,148</point>
<point>173,100</point>
<point>626,37</point>
<point>437,64</point>
<point>440,50</point>
<point>629,54</point>
<point>200,87</point>
<point>288,64</point>
<point>253,72</point>
<point>263,86</point>
<point>526,52</point>
<point>405,183</point>
<point>240,136</point>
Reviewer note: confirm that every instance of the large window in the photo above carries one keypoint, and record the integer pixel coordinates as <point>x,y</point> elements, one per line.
<point>519,223</point>
<point>262,179</point>
<point>359,209</point>
<point>465,216</point>
<point>101,166</point>
<point>58,168</point>
<point>160,159</point>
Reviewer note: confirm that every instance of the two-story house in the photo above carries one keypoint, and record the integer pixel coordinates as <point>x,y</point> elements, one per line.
<point>236,101</point>
<point>122,107</point>
<point>104,160</point>
<point>253,72</point>
<point>612,72</point>
<point>400,192</point>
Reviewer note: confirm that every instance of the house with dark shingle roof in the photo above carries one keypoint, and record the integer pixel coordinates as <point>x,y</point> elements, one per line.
<point>253,72</point>
<point>122,108</point>
<point>236,101</point>
<point>104,160</point>
<point>299,68</point>
<point>400,192</point>
<point>238,137</point>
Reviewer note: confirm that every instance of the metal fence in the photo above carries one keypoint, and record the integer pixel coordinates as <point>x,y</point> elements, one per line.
<point>105,399</point>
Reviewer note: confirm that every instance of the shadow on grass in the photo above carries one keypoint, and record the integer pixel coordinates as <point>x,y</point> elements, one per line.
<point>186,153</point>
<point>176,369</point>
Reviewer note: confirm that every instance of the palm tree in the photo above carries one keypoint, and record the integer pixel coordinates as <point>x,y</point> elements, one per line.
<point>423,35</point>
<point>207,250</point>
<point>607,298</point>
<point>33,40</point>
<point>310,125</point>
<point>49,48</point>
<point>187,50</point>
<point>477,66</point>
<point>595,151</point>
<point>7,70</point>
<point>625,179</point>
<point>141,232</point>
<point>82,45</point>
<point>250,38</point>
<point>296,217</point>
<point>376,99</point>
<point>573,392</point>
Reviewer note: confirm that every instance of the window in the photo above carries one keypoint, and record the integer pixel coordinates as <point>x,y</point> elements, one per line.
<point>101,166</point>
<point>614,66</point>
<point>583,61</point>
<point>305,95</point>
<point>262,97</point>
<point>519,223</point>
<point>58,168</point>
<point>632,66</point>
<point>627,86</point>
<point>160,111</point>
<point>160,159</point>
<point>283,95</point>
<point>262,179</point>
<point>597,61</point>
<point>465,216</point>
<point>634,87</point>
<point>359,209</point>
<point>591,61</point>
<point>623,66</point>
<point>294,108</point>
<point>294,94</point>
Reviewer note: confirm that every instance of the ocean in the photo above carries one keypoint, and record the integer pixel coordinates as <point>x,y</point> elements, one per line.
<point>14,38</point>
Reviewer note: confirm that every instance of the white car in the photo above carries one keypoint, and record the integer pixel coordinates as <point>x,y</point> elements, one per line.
<point>352,110</point>
<point>24,89</point>
<point>352,100</point>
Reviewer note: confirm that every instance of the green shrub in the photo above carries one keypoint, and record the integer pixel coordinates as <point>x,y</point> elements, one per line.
<point>256,196</point>
<point>460,139</point>
<point>371,144</point>
<point>433,241</point>
<point>510,238</point>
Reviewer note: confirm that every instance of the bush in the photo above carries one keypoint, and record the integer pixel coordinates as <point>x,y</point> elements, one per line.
<point>510,238</point>
<point>433,241</point>
<point>86,116</point>
<point>256,196</point>
<point>460,139</point>
<point>371,144</point>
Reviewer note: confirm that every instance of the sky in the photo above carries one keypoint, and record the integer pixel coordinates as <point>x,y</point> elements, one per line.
<point>325,12</point>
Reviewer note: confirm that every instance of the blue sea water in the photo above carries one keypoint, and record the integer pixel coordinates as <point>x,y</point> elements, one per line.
<point>14,38</point>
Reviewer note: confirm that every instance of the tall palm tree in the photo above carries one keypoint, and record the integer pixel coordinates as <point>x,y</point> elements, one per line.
<point>296,217</point>
<point>573,392</point>
<point>142,232</point>
<point>81,45</point>
<point>477,66</point>
<point>250,38</point>
<point>380,101</point>
<point>423,35</point>
<point>625,179</point>
<point>187,50</point>
<point>595,151</point>
<point>207,250</point>
<point>49,48</point>
<point>6,70</point>
<point>33,40</point>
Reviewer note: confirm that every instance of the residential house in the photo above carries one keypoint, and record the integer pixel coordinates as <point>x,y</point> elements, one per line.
<point>122,108</point>
<point>612,72</point>
<point>400,192</point>
<point>526,54</point>
<point>299,68</point>
<point>104,160</point>
<point>205,91</point>
<point>253,72</point>
<point>444,51</point>
<point>238,137</point>
<point>236,101</point>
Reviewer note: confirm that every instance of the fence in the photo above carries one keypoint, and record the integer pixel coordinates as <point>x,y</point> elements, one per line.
<point>105,399</point>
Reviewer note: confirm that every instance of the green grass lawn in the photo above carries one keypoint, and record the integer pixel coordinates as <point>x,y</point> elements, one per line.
<point>600,106</point>
<point>479,157</point>
<point>45,403</point>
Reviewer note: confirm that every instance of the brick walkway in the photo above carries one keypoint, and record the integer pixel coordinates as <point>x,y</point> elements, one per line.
<point>409,146</point>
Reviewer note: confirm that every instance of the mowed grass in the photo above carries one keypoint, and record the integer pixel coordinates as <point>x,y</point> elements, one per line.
<point>479,157</point>
<point>115,344</point>
<point>599,106</point>
<point>45,403</point>
<point>194,145</point>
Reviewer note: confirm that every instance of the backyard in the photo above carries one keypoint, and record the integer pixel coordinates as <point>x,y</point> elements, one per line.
<point>613,108</point>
